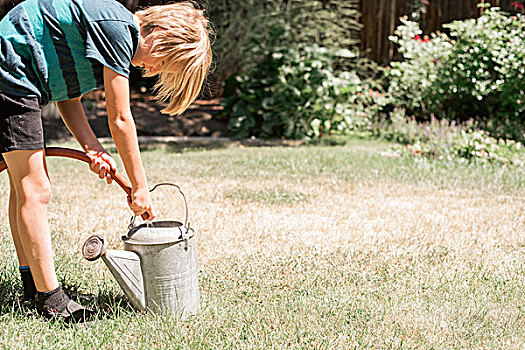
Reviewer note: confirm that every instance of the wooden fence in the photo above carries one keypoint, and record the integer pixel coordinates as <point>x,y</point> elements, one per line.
<point>381,17</point>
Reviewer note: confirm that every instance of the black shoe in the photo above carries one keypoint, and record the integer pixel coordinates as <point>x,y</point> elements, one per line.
<point>72,313</point>
<point>56,305</point>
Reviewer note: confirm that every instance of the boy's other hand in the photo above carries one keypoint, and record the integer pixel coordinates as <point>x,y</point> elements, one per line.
<point>102,163</point>
<point>140,203</point>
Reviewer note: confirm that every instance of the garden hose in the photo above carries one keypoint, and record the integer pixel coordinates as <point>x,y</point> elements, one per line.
<point>79,155</point>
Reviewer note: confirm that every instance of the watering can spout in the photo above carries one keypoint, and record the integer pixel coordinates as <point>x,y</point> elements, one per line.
<point>124,266</point>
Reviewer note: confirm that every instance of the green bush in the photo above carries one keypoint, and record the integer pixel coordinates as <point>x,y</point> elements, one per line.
<point>295,93</point>
<point>476,73</point>
<point>284,86</point>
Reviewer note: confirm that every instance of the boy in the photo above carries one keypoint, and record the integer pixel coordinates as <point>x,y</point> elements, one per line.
<point>57,51</point>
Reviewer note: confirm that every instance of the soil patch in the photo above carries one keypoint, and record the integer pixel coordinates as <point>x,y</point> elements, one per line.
<point>198,120</point>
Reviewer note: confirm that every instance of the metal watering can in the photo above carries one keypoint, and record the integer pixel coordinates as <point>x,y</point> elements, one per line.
<point>158,268</point>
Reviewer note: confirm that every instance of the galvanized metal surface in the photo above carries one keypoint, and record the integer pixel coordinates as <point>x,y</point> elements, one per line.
<point>158,269</point>
<point>158,232</point>
<point>126,268</point>
<point>170,273</point>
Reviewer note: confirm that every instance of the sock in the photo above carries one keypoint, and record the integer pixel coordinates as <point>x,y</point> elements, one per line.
<point>52,302</point>
<point>28,283</point>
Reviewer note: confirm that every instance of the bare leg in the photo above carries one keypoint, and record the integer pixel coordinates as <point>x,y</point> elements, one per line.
<point>22,260</point>
<point>32,189</point>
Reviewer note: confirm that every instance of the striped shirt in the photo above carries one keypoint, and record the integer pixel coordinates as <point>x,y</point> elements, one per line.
<point>56,49</point>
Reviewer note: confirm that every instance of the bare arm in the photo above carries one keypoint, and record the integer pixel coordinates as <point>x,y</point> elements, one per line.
<point>75,119</point>
<point>122,127</point>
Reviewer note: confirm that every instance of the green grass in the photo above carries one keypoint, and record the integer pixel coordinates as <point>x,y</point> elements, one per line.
<point>313,247</point>
<point>357,161</point>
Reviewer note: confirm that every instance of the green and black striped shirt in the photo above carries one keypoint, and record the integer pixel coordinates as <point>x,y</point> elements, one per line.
<point>56,49</point>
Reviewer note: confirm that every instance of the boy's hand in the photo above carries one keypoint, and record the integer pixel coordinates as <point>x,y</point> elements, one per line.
<point>140,203</point>
<point>102,163</point>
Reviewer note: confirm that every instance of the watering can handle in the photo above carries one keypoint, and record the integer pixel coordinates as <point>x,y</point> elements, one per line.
<point>79,155</point>
<point>132,222</point>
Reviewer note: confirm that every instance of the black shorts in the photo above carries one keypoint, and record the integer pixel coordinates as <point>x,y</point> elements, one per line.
<point>20,124</point>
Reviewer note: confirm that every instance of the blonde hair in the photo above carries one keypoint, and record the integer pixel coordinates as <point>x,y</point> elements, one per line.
<point>184,46</point>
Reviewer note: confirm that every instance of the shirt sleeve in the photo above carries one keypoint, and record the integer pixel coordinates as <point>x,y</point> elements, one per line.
<point>113,43</point>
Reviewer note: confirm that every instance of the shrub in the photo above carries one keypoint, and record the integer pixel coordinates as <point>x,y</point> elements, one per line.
<point>241,25</point>
<point>296,93</point>
<point>284,86</point>
<point>445,139</point>
<point>411,81</point>
<point>478,72</point>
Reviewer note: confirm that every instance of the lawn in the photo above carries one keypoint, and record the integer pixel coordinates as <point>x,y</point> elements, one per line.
<point>319,247</point>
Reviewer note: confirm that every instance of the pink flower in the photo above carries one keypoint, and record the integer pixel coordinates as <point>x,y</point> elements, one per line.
<point>417,38</point>
<point>517,5</point>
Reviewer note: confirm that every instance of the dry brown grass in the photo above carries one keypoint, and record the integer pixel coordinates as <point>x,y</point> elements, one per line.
<point>314,261</point>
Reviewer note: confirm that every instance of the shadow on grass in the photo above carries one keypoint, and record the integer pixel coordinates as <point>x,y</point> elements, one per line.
<point>107,305</point>
<point>195,144</point>
<point>173,147</point>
